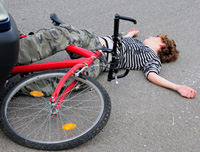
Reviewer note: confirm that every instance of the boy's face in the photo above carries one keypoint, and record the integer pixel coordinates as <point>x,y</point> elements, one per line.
<point>154,41</point>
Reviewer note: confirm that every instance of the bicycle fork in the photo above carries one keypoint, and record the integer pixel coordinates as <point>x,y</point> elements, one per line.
<point>57,102</point>
<point>54,100</point>
<point>57,105</point>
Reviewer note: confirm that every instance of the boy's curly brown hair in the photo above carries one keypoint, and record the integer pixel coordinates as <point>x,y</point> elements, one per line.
<point>168,53</point>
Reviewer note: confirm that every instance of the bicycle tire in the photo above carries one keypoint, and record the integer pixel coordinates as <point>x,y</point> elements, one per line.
<point>24,117</point>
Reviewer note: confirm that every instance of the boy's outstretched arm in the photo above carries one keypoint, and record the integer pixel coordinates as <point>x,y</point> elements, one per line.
<point>132,33</point>
<point>181,89</point>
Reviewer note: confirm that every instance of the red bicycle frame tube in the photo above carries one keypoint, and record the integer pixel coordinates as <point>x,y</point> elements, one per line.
<point>46,66</point>
<point>65,93</point>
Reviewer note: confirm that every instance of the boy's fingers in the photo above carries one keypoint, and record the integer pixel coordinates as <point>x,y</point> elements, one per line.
<point>133,29</point>
<point>192,94</point>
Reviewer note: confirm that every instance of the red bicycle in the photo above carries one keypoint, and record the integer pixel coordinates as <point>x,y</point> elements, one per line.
<point>55,110</point>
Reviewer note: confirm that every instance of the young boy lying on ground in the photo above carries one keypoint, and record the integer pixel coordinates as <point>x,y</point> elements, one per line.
<point>146,56</point>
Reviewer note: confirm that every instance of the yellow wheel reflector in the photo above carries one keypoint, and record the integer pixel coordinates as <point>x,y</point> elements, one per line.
<point>69,126</point>
<point>36,93</point>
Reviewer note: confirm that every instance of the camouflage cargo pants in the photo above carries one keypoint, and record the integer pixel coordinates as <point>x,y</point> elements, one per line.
<point>47,42</point>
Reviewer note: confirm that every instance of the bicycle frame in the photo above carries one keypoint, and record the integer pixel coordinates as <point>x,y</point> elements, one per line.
<point>74,64</point>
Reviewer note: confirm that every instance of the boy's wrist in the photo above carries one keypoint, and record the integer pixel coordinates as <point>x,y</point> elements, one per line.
<point>176,88</point>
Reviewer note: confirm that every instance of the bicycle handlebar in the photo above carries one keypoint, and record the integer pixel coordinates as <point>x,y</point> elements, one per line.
<point>115,59</point>
<point>126,18</point>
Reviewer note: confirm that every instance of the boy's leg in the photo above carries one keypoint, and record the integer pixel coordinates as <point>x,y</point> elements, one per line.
<point>81,37</point>
<point>97,67</point>
<point>50,41</point>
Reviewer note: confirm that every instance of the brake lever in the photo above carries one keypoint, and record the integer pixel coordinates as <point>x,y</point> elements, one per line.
<point>104,49</point>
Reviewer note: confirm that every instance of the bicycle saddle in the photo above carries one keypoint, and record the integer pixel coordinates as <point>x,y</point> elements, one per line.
<point>55,19</point>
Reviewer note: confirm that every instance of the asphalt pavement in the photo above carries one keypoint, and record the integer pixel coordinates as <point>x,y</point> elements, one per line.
<point>145,117</point>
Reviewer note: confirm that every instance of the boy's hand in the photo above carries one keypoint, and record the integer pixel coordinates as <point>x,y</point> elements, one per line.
<point>186,91</point>
<point>133,32</point>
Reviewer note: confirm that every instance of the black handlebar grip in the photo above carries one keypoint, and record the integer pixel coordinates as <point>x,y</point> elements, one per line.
<point>126,18</point>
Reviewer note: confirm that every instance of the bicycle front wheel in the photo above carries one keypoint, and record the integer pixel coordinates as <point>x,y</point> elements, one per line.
<point>28,118</point>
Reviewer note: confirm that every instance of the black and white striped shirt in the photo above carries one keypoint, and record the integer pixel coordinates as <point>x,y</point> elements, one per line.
<point>136,56</point>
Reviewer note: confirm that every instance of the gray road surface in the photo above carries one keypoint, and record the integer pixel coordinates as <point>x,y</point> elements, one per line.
<point>144,117</point>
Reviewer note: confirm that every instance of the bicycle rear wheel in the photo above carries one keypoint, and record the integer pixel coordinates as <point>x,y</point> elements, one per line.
<point>28,119</point>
